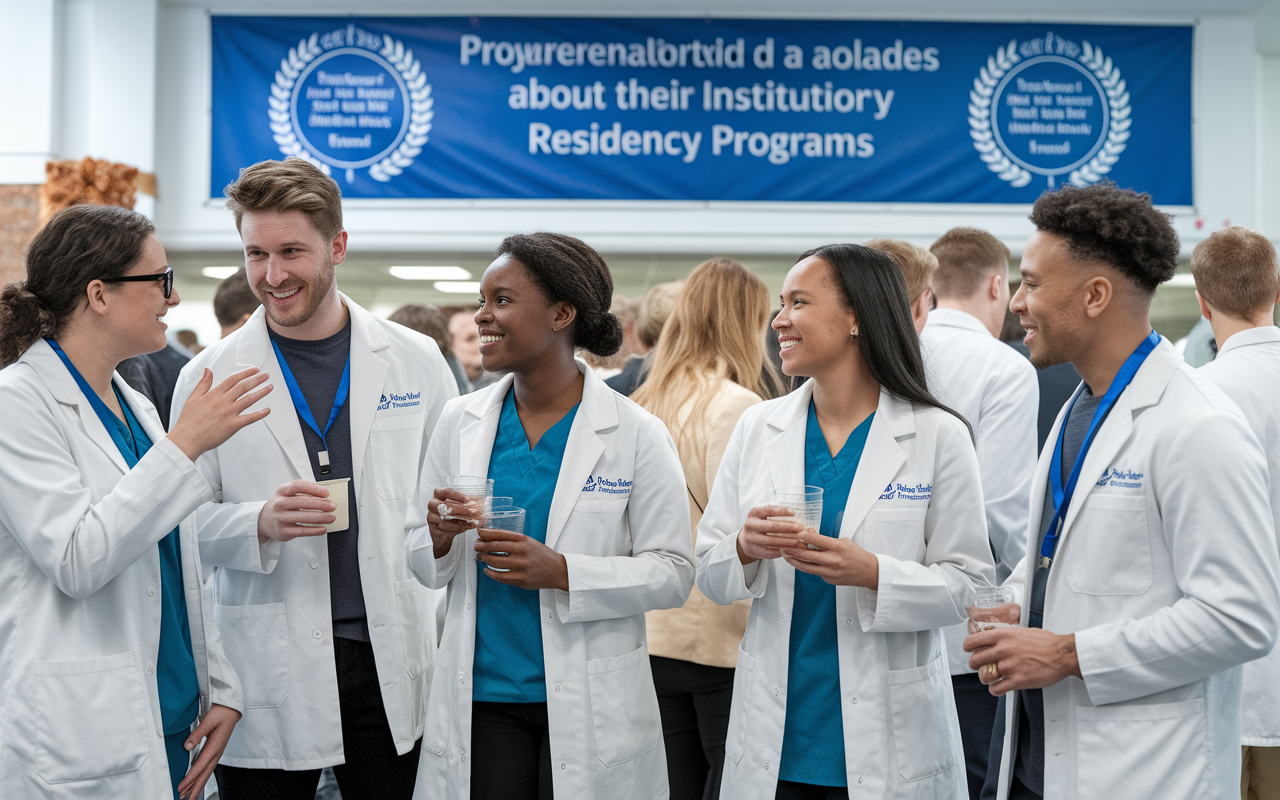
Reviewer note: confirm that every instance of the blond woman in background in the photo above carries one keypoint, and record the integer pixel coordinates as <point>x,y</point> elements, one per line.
<point>708,367</point>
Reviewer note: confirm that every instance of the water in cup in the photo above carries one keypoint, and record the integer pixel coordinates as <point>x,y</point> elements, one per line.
<point>987,607</point>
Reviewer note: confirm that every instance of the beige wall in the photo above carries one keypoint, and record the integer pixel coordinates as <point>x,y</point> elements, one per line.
<point>19,219</point>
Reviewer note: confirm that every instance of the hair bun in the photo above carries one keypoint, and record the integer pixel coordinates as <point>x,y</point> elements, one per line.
<point>604,338</point>
<point>23,320</point>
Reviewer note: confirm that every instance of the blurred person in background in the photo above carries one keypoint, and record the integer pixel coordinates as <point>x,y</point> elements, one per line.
<point>189,340</point>
<point>466,346</point>
<point>1237,286</point>
<point>651,315</point>
<point>995,390</point>
<point>709,366</point>
<point>624,308</point>
<point>430,321</point>
<point>917,265</point>
<point>234,302</point>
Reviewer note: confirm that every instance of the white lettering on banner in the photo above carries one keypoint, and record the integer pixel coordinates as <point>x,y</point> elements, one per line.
<point>612,141</point>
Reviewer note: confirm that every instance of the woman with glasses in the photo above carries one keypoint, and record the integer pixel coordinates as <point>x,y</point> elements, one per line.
<point>111,673</point>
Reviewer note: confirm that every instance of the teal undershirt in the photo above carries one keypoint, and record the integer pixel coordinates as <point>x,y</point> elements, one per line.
<point>813,734</point>
<point>176,680</point>
<point>508,666</point>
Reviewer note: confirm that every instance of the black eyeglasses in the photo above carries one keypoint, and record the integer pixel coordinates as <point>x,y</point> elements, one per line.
<point>166,276</point>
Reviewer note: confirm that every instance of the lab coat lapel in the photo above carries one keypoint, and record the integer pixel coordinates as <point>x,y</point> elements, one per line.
<point>479,429</point>
<point>785,443</point>
<point>368,377</point>
<point>254,350</point>
<point>882,457</point>
<point>598,412</point>
<point>65,390</point>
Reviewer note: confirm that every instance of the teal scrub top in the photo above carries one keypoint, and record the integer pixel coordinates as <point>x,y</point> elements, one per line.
<point>508,666</point>
<point>813,734</point>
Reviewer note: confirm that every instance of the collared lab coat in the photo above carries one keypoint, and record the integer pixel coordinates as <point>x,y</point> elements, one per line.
<point>916,503</point>
<point>80,592</point>
<point>1247,370</point>
<point>1166,573</point>
<point>273,600</point>
<point>620,519</point>
<point>993,387</point>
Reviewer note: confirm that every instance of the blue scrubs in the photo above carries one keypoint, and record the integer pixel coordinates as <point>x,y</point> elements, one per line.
<point>508,666</point>
<point>813,735</point>
<point>179,689</point>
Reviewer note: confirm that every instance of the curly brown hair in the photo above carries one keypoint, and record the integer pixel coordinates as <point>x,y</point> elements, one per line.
<point>1118,227</point>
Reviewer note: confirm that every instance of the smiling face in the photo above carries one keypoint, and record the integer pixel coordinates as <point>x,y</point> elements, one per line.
<point>518,326</point>
<point>290,267</point>
<point>815,322</point>
<point>139,327</point>
<point>1049,302</point>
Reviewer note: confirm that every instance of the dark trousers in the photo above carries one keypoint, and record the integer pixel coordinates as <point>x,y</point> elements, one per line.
<point>995,757</point>
<point>694,700</point>
<point>807,791</point>
<point>976,708</point>
<point>372,769</point>
<point>510,752</point>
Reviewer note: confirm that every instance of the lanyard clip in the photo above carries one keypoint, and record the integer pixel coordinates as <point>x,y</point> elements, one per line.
<point>1044,562</point>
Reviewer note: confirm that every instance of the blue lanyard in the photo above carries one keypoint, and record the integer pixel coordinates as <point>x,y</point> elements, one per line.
<point>304,411</point>
<point>1062,496</point>
<point>128,450</point>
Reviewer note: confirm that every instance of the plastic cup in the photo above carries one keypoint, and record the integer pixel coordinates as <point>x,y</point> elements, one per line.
<point>984,601</point>
<point>805,503</point>
<point>504,518</point>
<point>339,495</point>
<point>476,488</point>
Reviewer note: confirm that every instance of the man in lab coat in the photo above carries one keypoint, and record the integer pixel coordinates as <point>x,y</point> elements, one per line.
<point>1151,568</point>
<point>995,390</point>
<point>329,632</point>
<point>1237,284</point>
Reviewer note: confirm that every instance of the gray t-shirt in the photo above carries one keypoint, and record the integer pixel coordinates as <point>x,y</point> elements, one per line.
<point>317,367</point>
<point>1029,764</point>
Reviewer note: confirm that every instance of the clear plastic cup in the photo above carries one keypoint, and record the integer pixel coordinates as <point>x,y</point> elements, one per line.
<point>476,488</point>
<point>505,517</point>
<point>985,605</point>
<point>805,503</point>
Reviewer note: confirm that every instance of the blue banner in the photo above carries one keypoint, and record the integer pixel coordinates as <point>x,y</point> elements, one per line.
<point>714,109</point>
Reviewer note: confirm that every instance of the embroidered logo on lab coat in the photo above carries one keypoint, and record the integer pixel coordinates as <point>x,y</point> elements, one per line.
<point>1121,479</point>
<point>405,400</point>
<point>612,486</point>
<point>902,491</point>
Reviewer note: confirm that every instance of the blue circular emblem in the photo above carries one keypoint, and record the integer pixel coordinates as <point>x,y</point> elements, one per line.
<point>1050,115</point>
<point>349,108</point>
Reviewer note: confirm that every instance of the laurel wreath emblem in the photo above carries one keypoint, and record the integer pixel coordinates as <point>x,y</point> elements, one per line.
<point>980,98</point>
<point>984,86</point>
<point>1108,75</point>
<point>420,105</point>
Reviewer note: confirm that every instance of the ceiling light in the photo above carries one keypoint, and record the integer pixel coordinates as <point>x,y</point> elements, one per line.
<point>431,273</point>
<point>219,273</point>
<point>458,287</point>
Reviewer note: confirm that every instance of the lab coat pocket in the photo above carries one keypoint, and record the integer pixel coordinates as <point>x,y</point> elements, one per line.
<point>1109,526</point>
<point>92,717</point>
<point>416,626</point>
<point>1123,749</point>
<point>924,725</point>
<point>396,444</point>
<point>624,707</point>
<point>896,532</point>
<point>256,640</point>
<point>441,715</point>
<point>740,712</point>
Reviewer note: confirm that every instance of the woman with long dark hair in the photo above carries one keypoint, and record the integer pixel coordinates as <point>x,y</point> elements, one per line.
<point>112,672</point>
<point>846,612</point>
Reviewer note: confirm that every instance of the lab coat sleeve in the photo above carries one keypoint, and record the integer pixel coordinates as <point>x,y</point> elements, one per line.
<point>228,532</point>
<point>224,682</point>
<point>721,576</point>
<point>1006,447</point>
<point>916,596</point>
<point>658,573</point>
<point>1213,492</point>
<point>81,544</point>
<point>419,548</point>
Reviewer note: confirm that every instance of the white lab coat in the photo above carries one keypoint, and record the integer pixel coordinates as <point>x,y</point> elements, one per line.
<point>80,592</point>
<point>627,553</point>
<point>902,739</point>
<point>1247,370</point>
<point>995,388</point>
<point>1166,572</point>
<point>273,600</point>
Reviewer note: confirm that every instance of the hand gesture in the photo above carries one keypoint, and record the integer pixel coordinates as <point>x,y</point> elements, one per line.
<point>214,729</point>
<point>448,502</point>
<point>530,564</point>
<point>211,415</point>
<point>762,537</point>
<point>298,508</point>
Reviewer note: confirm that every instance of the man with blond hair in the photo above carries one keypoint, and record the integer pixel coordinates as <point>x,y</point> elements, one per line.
<point>1238,286</point>
<point>918,267</point>
<point>993,387</point>
<point>332,637</point>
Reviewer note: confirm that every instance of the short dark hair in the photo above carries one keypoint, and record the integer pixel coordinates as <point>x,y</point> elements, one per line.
<point>233,299</point>
<point>569,270</point>
<point>1118,227</point>
<point>427,320</point>
<point>78,245</point>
